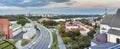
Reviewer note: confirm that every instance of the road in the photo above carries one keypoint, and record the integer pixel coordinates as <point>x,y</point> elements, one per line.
<point>43,41</point>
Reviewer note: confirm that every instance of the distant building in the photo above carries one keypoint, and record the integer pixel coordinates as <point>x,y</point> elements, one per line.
<point>71,25</point>
<point>43,19</point>
<point>84,29</point>
<point>4,28</point>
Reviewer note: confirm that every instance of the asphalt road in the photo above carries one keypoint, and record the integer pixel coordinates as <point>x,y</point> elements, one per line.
<point>44,40</point>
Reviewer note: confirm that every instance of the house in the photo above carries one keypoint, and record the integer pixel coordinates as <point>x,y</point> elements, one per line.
<point>16,28</point>
<point>4,28</point>
<point>27,26</point>
<point>29,30</point>
<point>104,25</point>
<point>109,36</point>
<point>84,29</point>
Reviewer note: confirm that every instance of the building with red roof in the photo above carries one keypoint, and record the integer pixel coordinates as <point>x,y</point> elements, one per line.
<point>4,28</point>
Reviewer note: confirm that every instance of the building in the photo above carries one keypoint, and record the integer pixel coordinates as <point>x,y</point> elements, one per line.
<point>4,28</point>
<point>71,25</point>
<point>104,25</point>
<point>109,36</point>
<point>29,34</point>
<point>84,29</point>
<point>27,27</point>
<point>29,30</point>
<point>16,28</point>
<point>43,19</point>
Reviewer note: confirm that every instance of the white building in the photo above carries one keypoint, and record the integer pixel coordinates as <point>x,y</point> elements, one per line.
<point>104,25</point>
<point>29,30</point>
<point>110,27</point>
<point>27,26</point>
<point>29,34</point>
<point>16,28</point>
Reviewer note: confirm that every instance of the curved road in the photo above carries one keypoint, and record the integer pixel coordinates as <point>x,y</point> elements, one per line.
<point>43,41</point>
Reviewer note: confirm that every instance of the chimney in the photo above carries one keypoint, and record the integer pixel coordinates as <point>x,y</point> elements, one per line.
<point>118,12</point>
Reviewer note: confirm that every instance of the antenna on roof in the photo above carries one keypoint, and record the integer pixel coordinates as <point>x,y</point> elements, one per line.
<point>105,11</point>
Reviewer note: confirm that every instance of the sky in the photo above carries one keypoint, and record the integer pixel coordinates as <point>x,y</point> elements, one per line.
<point>58,6</point>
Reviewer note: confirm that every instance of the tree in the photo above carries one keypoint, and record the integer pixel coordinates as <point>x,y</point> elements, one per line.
<point>74,33</point>
<point>91,33</point>
<point>22,21</point>
<point>62,30</point>
<point>62,22</point>
<point>67,40</point>
<point>75,46</point>
<point>49,23</point>
<point>86,22</point>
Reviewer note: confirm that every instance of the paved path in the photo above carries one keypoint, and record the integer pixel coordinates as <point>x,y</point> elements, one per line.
<point>60,41</point>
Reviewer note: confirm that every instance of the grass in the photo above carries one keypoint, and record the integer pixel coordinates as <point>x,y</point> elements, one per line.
<point>2,35</point>
<point>7,44</point>
<point>10,47</point>
<point>25,42</point>
<point>55,42</point>
<point>51,26</point>
<point>3,45</point>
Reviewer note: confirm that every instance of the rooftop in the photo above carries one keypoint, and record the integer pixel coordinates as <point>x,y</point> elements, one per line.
<point>107,19</point>
<point>114,32</point>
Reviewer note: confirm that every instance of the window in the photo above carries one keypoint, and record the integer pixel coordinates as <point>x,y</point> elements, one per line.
<point>117,40</point>
<point>103,28</point>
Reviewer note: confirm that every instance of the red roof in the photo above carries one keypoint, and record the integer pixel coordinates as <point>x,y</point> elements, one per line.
<point>4,21</point>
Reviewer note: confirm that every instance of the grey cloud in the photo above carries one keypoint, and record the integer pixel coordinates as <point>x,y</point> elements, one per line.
<point>32,3</point>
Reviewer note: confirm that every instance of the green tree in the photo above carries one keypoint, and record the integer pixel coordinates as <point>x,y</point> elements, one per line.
<point>74,33</point>
<point>62,30</point>
<point>86,22</point>
<point>22,21</point>
<point>62,22</point>
<point>66,40</point>
<point>75,46</point>
<point>91,33</point>
<point>49,23</point>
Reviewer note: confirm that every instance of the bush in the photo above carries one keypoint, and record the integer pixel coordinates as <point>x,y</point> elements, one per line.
<point>91,33</point>
<point>66,40</point>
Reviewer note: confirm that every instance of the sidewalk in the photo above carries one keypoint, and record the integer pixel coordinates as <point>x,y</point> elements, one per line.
<point>60,41</point>
<point>18,44</point>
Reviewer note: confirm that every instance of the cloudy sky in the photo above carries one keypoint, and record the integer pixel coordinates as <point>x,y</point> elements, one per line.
<point>58,6</point>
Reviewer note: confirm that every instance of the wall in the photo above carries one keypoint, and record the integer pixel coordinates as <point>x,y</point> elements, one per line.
<point>104,26</point>
<point>112,38</point>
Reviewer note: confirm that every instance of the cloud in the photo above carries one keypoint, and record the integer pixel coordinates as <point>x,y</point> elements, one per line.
<point>29,3</point>
<point>57,4</point>
<point>86,4</point>
<point>26,1</point>
<point>10,8</point>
